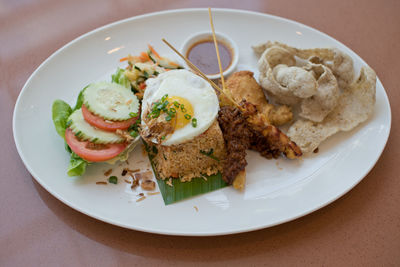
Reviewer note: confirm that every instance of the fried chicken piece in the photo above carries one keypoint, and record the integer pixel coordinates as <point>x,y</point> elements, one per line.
<point>268,139</point>
<point>244,129</point>
<point>251,127</point>
<point>240,181</point>
<point>242,86</point>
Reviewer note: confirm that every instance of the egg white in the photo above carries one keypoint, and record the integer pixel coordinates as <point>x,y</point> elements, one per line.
<point>185,84</point>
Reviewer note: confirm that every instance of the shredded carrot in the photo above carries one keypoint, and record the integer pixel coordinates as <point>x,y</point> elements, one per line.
<point>136,59</point>
<point>153,51</point>
<point>144,57</point>
<point>173,63</point>
<point>123,59</point>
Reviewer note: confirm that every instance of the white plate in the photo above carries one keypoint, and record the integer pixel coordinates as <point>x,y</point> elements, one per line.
<point>277,190</point>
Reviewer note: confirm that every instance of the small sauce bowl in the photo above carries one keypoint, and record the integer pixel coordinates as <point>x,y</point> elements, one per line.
<point>190,44</point>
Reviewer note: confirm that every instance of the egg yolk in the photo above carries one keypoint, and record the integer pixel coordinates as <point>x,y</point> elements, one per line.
<point>184,110</point>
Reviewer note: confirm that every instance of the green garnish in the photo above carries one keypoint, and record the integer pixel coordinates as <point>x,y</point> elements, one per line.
<point>120,78</point>
<point>133,133</point>
<point>194,122</point>
<point>163,138</point>
<point>113,180</point>
<point>184,190</point>
<point>151,58</point>
<point>162,106</point>
<point>136,67</point>
<point>146,75</point>
<point>158,107</point>
<point>156,73</point>
<point>133,114</point>
<point>188,117</point>
<point>171,113</point>
<point>209,154</point>
<point>176,104</point>
<point>78,133</point>
<point>183,108</point>
<point>134,127</point>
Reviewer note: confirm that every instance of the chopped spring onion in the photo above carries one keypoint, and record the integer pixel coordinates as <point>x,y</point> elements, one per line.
<point>183,108</point>
<point>209,154</point>
<point>194,122</point>
<point>113,180</point>
<point>133,133</point>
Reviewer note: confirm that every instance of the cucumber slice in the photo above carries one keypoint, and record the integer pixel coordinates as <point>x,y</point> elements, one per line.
<point>110,101</point>
<point>87,132</point>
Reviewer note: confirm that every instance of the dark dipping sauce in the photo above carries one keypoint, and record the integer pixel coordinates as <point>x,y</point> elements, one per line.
<point>203,55</point>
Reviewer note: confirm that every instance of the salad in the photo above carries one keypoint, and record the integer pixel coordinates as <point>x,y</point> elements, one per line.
<point>103,124</point>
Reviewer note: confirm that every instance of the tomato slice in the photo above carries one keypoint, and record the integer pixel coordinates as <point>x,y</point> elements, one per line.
<point>82,149</point>
<point>110,126</point>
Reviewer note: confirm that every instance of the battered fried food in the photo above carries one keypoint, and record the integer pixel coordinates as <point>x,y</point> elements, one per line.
<point>268,139</point>
<point>252,127</point>
<point>340,63</point>
<point>355,106</point>
<point>338,104</point>
<point>247,129</point>
<point>311,84</point>
<point>243,86</point>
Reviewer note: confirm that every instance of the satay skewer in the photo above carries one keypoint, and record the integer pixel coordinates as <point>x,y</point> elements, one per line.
<point>216,49</point>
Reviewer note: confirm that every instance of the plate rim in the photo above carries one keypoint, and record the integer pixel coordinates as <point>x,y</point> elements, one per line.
<point>178,233</point>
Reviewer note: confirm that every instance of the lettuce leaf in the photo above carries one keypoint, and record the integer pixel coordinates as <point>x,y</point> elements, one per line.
<point>77,165</point>
<point>60,114</point>
<point>79,101</point>
<point>120,78</point>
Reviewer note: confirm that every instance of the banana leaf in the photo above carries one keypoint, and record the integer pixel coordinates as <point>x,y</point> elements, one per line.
<point>184,190</point>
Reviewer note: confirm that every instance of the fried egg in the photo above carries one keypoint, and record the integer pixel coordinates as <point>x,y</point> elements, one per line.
<point>193,99</point>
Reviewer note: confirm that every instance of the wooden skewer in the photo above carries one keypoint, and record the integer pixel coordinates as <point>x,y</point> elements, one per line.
<point>216,48</point>
<point>199,72</point>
